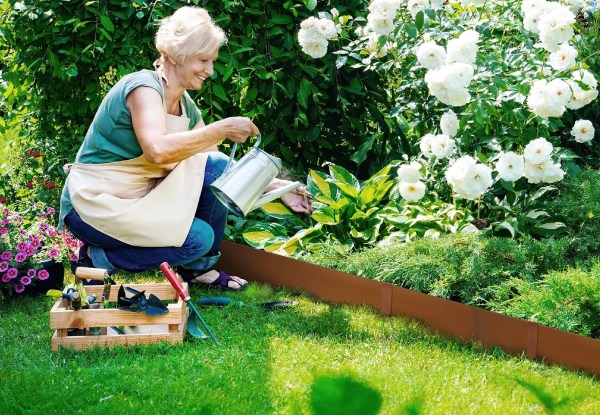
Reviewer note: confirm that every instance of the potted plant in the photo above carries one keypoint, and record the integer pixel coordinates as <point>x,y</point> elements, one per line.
<point>32,250</point>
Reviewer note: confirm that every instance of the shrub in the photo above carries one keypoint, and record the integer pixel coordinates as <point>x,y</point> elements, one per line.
<point>579,207</point>
<point>567,300</point>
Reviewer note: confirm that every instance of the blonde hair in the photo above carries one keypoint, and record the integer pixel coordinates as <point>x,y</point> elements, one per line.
<point>187,32</point>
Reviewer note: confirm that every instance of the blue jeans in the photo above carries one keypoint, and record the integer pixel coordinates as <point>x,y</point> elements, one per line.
<point>200,251</point>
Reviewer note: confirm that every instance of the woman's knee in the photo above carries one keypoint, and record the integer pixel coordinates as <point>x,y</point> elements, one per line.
<point>200,239</point>
<point>215,166</point>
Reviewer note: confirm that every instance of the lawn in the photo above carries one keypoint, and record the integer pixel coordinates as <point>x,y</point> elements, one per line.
<point>268,362</point>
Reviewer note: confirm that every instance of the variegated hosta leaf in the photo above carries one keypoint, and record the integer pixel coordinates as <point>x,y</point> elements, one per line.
<point>260,234</point>
<point>277,210</point>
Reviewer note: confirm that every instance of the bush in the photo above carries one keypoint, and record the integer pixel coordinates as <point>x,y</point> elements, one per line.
<point>568,300</point>
<point>463,268</point>
<point>61,58</point>
<point>579,207</point>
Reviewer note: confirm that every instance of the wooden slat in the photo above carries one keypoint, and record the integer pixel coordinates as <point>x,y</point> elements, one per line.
<point>84,342</point>
<point>164,291</point>
<point>61,319</point>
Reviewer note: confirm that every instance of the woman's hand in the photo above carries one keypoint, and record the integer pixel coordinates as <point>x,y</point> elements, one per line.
<point>298,200</point>
<point>236,129</point>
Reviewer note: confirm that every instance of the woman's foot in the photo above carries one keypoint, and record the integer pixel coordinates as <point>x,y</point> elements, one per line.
<point>212,279</point>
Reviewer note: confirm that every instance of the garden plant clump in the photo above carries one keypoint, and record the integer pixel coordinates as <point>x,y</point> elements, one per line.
<point>27,239</point>
<point>490,94</point>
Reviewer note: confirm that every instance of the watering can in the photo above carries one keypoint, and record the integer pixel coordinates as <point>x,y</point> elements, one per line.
<point>241,188</point>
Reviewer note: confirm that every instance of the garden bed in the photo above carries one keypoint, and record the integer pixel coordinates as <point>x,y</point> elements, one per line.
<point>464,322</point>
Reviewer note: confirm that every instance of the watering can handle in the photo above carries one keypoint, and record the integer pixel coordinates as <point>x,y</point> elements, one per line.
<point>233,149</point>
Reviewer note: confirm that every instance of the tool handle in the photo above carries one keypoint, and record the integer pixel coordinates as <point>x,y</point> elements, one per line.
<point>172,277</point>
<point>91,273</point>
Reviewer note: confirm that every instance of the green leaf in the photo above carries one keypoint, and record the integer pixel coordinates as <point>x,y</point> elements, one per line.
<point>419,20</point>
<point>310,4</point>
<point>344,176</point>
<point>260,234</point>
<point>361,154</point>
<point>277,209</point>
<point>108,25</point>
<point>303,92</point>
<point>374,190</point>
<point>326,216</point>
<point>218,90</point>
<point>317,183</point>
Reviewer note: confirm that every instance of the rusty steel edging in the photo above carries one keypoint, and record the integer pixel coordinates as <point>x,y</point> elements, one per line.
<point>467,323</point>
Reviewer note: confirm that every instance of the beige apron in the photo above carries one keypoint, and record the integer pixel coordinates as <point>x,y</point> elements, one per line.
<point>137,202</point>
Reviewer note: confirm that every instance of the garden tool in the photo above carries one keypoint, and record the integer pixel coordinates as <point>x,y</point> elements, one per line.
<point>98,274</point>
<point>192,324</point>
<point>152,305</point>
<point>226,302</point>
<point>242,188</point>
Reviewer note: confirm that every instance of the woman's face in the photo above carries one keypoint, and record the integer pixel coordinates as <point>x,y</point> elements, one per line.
<point>194,70</point>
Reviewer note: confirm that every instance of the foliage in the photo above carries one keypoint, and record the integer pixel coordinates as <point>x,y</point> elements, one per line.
<point>26,239</point>
<point>568,300</point>
<point>62,56</point>
<point>578,206</point>
<point>465,268</point>
<point>467,161</point>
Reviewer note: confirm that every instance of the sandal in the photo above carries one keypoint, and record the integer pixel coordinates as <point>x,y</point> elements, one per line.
<point>221,282</point>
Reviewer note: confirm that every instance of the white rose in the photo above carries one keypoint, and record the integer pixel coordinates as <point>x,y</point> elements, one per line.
<point>382,24</point>
<point>510,166</point>
<point>425,145</point>
<point>582,97</point>
<point>327,28</point>
<point>442,146</point>
<point>535,172</point>
<point>308,23</point>
<point>563,58</point>
<point>538,151</point>
<point>431,55</point>
<point>583,131</point>
<point>552,173</point>
<point>412,191</point>
<point>449,123</point>
<point>471,180</point>
<point>410,172</point>
<point>313,43</point>
<point>460,50</point>
<point>559,92</point>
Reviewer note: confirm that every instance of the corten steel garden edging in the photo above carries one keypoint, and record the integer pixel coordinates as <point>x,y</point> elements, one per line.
<point>467,323</point>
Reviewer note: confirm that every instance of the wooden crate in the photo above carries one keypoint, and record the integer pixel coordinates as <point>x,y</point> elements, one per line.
<point>139,328</point>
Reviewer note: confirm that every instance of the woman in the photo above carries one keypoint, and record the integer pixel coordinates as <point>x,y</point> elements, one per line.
<point>138,194</point>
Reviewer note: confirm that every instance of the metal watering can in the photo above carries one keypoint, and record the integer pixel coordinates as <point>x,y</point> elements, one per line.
<point>242,188</point>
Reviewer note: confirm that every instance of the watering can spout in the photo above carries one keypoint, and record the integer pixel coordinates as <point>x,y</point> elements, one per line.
<point>274,194</point>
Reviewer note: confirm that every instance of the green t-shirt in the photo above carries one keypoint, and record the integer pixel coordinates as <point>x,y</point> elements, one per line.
<point>110,136</point>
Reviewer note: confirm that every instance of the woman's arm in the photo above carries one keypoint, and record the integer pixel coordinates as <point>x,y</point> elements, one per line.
<point>159,147</point>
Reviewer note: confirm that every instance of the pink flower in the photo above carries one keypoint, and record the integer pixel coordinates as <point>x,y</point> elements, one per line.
<point>5,211</point>
<point>6,255</point>
<point>73,257</point>
<point>20,257</point>
<point>50,211</point>
<point>43,227</point>
<point>3,231</point>
<point>31,273</point>
<point>12,273</point>
<point>19,288</point>
<point>52,231</point>
<point>30,250</point>
<point>74,244</point>
<point>43,274</point>
<point>3,266</point>
<point>5,278</point>
<point>68,240</point>
<point>25,280</point>
<point>22,246</point>
<point>53,253</point>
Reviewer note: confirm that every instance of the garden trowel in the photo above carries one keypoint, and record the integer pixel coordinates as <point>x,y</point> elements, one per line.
<point>152,305</point>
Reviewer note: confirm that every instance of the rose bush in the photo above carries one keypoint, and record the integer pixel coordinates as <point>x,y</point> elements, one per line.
<point>481,91</point>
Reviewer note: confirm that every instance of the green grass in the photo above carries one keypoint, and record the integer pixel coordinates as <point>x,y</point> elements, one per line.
<point>267,364</point>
